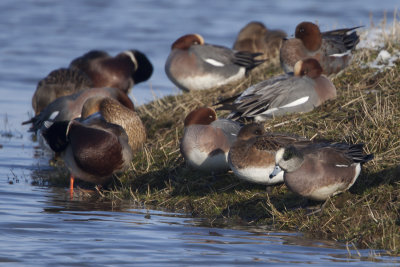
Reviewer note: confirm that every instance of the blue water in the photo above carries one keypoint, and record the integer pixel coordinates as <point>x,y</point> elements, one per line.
<point>40,226</point>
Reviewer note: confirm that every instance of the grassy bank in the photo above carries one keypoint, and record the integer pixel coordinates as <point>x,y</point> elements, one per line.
<point>367,110</point>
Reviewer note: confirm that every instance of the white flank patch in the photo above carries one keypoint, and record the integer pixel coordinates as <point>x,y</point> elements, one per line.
<point>258,175</point>
<point>214,62</point>
<point>327,191</point>
<point>209,80</point>
<point>341,166</point>
<point>54,115</point>
<point>348,52</point>
<point>270,111</point>
<point>202,161</point>
<point>133,58</point>
<point>296,102</point>
<point>358,170</point>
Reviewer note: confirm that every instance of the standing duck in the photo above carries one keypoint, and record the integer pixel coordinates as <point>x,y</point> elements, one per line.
<point>320,170</point>
<point>332,49</point>
<point>122,71</point>
<point>92,150</point>
<point>195,65</point>
<point>206,140</point>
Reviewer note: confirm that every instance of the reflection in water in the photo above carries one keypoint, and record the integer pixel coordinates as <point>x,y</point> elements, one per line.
<point>40,226</point>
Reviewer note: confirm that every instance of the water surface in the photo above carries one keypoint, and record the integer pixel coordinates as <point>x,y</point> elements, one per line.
<point>41,226</point>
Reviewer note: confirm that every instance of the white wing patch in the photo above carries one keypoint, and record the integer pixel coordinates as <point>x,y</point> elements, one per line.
<point>54,115</point>
<point>296,102</point>
<point>214,62</point>
<point>342,54</point>
<point>270,111</point>
<point>341,166</point>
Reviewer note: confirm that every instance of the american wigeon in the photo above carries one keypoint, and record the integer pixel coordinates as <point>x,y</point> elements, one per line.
<point>92,151</point>
<point>114,112</point>
<point>320,170</point>
<point>195,65</point>
<point>206,140</point>
<point>284,94</point>
<point>122,71</point>
<point>256,38</point>
<point>332,49</point>
<point>70,107</point>
<point>60,82</point>
<point>252,156</point>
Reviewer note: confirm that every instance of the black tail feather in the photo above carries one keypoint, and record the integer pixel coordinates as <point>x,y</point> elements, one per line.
<point>56,135</point>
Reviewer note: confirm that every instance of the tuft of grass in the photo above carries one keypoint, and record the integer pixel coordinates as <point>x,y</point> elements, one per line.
<point>367,110</point>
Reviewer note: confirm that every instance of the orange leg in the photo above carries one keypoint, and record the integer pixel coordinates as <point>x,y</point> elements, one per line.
<point>71,186</point>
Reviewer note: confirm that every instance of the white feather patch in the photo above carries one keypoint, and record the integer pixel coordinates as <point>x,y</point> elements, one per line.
<point>47,124</point>
<point>54,115</point>
<point>209,80</point>
<point>270,111</point>
<point>342,54</point>
<point>258,175</point>
<point>214,62</point>
<point>296,102</point>
<point>341,166</point>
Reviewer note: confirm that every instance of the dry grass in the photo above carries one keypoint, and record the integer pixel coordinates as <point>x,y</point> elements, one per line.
<point>367,111</point>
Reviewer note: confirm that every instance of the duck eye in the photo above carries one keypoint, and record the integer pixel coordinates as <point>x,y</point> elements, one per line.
<point>287,155</point>
<point>301,30</point>
<point>257,132</point>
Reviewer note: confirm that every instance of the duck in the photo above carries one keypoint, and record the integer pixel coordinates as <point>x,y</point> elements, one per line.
<point>93,150</point>
<point>122,71</point>
<point>252,155</point>
<point>195,65</point>
<point>283,94</point>
<point>255,37</point>
<point>57,83</point>
<point>112,111</point>
<point>206,140</point>
<point>69,107</point>
<point>320,170</point>
<point>332,48</point>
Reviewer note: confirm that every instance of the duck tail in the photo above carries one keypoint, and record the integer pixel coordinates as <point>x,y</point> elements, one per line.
<point>247,59</point>
<point>55,134</point>
<point>357,154</point>
<point>348,36</point>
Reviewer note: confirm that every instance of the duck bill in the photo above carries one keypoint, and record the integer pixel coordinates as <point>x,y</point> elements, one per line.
<point>275,172</point>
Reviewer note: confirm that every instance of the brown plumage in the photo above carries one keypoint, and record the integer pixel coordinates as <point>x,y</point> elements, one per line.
<point>113,112</point>
<point>256,38</point>
<point>332,49</point>
<point>70,107</point>
<point>122,71</point>
<point>60,82</point>
<point>252,156</point>
<point>92,150</point>
<point>322,169</point>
